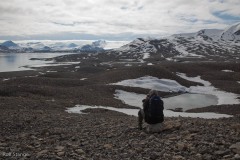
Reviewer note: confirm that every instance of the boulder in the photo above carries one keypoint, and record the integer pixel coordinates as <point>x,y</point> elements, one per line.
<point>159,127</point>
<point>154,128</point>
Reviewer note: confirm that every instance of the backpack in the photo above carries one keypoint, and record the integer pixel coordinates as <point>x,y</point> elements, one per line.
<point>155,110</point>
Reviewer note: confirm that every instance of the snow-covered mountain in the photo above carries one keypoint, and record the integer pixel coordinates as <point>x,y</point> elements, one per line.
<point>10,45</point>
<point>206,44</point>
<point>54,46</point>
<point>99,43</point>
<point>232,33</point>
<point>3,48</point>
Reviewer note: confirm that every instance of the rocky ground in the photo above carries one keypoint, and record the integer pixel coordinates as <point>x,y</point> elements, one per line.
<point>35,125</point>
<point>103,134</point>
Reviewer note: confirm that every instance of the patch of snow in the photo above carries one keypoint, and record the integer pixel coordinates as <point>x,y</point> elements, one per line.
<point>238,81</point>
<point>167,85</point>
<point>80,108</point>
<point>128,60</point>
<point>32,76</point>
<point>82,79</point>
<point>223,97</point>
<point>226,70</point>
<point>149,64</point>
<point>149,82</point>
<point>41,73</point>
<point>6,79</point>
<point>146,55</point>
<point>115,44</point>
<point>130,98</point>
<point>51,64</point>
<point>134,112</point>
<point>52,100</point>
<point>183,49</point>
<point>106,63</point>
<point>77,67</point>
<point>194,79</point>
<point>169,59</point>
<point>51,71</point>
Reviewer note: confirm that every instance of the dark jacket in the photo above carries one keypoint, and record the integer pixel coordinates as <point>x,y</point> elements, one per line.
<point>148,118</point>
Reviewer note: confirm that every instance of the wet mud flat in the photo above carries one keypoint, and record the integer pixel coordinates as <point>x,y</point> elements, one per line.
<point>34,122</point>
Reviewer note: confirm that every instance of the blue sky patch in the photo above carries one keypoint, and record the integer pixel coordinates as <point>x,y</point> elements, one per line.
<point>226,17</point>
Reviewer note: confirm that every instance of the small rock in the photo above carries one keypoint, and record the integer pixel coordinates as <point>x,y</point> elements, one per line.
<point>45,132</point>
<point>41,153</point>
<point>108,146</point>
<point>181,146</point>
<point>227,156</point>
<point>154,128</point>
<point>236,127</point>
<point>59,148</point>
<point>73,138</point>
<point>190,136</point>
<point>80,151</point>
<point>198,156</point>
<point>221,153</point>
<point>23,135</point>
<point>173,138</point>
<point>72,145</point>
<point>207,156</point>
<point>235,148</point>
<point>142,134</point>
<point>3,144</point>
<point>139,149</point>
<point>178,157</point>
<point>154,155</point>
<point>30,147</point>
<point>237,157</point>
<point>151,137</point>
<point>33,137</point>
<point>60,153</point>
<point>57,158</point>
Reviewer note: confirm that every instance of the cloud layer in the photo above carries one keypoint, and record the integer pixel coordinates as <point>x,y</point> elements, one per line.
<point>30,18</point>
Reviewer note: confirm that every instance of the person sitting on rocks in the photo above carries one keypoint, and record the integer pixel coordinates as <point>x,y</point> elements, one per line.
<point>152,111</point>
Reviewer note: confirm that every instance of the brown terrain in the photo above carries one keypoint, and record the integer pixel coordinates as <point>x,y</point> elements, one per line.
<point>35,125</point>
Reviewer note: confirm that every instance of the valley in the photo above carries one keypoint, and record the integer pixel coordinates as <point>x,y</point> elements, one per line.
<point>37,120</point>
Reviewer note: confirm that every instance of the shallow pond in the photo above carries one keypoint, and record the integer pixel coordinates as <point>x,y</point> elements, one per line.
<point>189,101</point>
<point>185,101</point>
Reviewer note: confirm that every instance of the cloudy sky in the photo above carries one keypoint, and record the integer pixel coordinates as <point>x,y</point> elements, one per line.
<point>112,19</point>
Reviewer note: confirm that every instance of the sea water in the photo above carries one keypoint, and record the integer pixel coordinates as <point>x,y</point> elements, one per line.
<point>18,61</point>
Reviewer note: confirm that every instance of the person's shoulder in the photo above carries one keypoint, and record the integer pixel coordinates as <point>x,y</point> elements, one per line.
<point>155,96</point>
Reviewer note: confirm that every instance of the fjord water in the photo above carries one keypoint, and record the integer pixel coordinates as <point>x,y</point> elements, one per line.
<point>16,61</point>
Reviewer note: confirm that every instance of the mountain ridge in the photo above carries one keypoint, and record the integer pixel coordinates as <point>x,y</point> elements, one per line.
<point>10,46</point>
<point>205,45</point>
